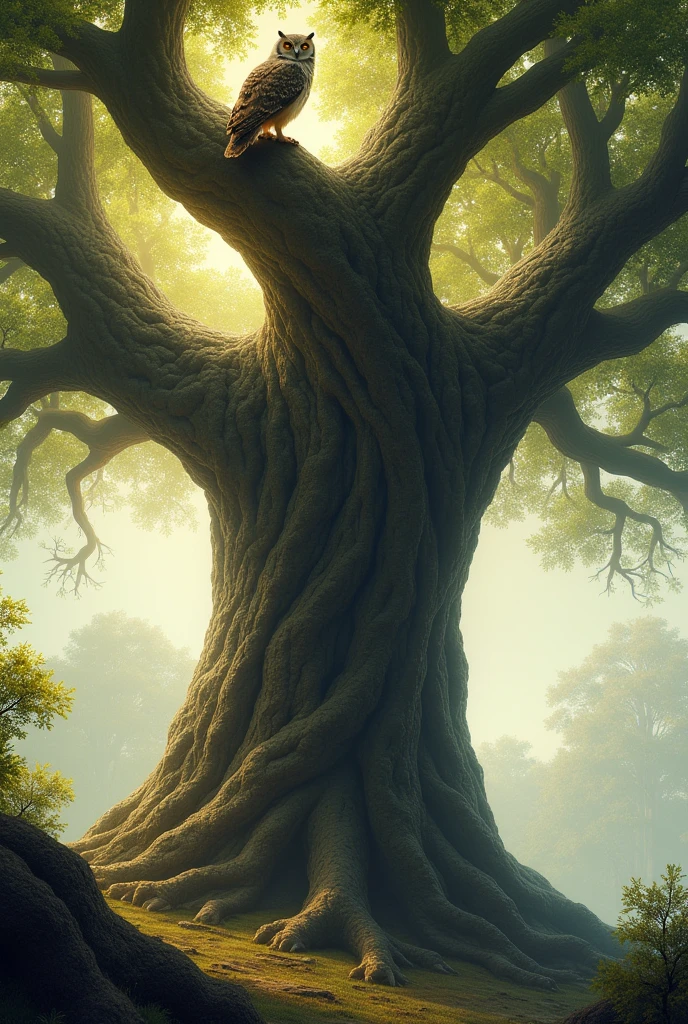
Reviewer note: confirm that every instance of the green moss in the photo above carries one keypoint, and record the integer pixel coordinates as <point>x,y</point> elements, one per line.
<point>472,996</point>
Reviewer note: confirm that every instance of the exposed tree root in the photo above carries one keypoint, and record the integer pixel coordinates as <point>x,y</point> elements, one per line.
<point>61,941</point>
<point>336,910</point>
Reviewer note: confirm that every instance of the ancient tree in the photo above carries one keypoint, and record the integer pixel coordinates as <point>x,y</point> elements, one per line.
<point>348,450</point>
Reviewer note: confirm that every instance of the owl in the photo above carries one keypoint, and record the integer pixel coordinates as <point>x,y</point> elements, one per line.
<point>273,94</point>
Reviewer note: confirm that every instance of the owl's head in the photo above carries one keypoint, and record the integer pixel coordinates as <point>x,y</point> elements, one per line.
<point>294,47</point>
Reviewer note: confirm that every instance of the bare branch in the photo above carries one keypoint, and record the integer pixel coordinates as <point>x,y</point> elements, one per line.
<point>488,276</point>
<point>637,436</point>
<point>105,439</point>
<point>622,511</point>
<point>595,451</point>
<point>495,176</point>
<point>45,125</point>
<point>568,433</point>
<point>70,570</point>
<point>19,489</point>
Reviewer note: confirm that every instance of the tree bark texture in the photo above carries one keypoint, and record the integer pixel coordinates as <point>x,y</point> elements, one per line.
<point>348,451</point>
<point>74,955</point>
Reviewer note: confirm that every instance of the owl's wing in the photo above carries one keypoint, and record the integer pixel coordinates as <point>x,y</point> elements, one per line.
<point>269,88</point>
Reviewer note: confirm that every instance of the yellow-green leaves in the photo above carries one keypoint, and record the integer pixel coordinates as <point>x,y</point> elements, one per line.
<point>37,795</point>
<point>29,696</point>
<point>646,40</point>
<point>650,985</point>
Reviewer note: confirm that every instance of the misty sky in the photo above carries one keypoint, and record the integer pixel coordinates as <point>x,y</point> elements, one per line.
<point>521,625</point>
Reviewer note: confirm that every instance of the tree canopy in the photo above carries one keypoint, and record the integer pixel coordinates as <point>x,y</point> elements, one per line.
<point>626,526</point>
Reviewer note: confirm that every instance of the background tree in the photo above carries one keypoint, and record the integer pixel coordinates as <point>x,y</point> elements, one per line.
<point>612,801</point>
<point>349,448</point>
<point>650,985</point>
<point>28,697</point>
<point>128,681</point>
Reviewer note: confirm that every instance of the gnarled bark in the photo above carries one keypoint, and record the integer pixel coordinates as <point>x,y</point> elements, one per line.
<point>62,942</point>
<point>348,451</point>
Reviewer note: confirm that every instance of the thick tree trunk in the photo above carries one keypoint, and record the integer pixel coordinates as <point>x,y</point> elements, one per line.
<point>348,452</point>
<point>328,708</point>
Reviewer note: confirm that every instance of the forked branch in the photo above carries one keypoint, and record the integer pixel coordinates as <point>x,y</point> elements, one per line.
<point>105,439</point>
<point>595,451</point>
<point>488,276</point>
<point>32,375</point>
<point>622,511</point>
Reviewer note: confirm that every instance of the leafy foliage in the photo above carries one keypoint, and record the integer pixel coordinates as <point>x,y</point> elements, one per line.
<point>129,681</point>
<point>650,985</point>
<point>29,697</point>
<point>38,795</point>
<point>646,40</point>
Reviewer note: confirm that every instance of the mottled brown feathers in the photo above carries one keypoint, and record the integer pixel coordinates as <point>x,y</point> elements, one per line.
<point>272,86</point>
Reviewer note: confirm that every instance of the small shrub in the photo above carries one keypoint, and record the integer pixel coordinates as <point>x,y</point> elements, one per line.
<point>650,984</point>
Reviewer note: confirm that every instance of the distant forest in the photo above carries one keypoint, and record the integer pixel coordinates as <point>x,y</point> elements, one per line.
<point>611,804</point>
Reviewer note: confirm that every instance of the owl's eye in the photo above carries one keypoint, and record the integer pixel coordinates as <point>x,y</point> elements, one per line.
<point>304,46</point>
<point>286,46</point>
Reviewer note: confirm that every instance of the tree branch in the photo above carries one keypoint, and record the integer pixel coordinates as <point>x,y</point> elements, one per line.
<point>614,113</point>
<point>595,451</point>
<point>629,328</point>
<point>76,176</point>
<point>545,195</point>
<point>105,439</point>
<point>564,427</point>
<point>666,169</point>
<point>45,126</point>
<point>488,276</point>
<point>507,187</point>
<point>622,511</point>
<point>495,49</point>
<point>33,374</point>
<point>13,264</point>
<point>158,23</point>
<point>527,94</point>
<point>71,80</point>
<point>588,136</point>
<point>421,37</point>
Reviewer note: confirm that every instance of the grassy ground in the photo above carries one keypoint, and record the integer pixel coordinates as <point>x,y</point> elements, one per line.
<point>471,997</point>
